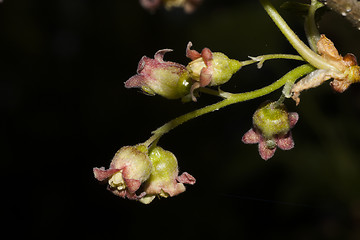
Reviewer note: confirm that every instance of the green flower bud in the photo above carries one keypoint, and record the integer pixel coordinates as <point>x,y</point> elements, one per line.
<point>271,120</point>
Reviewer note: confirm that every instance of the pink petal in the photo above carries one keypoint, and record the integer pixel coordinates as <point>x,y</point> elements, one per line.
<point>293,118</point>
<point>101,174</point>
<point>207,56</point>
<point>186,178</point>
<point>159,55</point>
<point>192,54</point>
<point>205,76</point>
<point>132,185</point>
<point>264,151</point>
<point>251,137</point>
<point>286,142</point>
<point>142,64</point>
<point>135,81</point>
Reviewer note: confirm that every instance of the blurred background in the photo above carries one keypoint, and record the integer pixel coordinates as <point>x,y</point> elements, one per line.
<point>65,110</point>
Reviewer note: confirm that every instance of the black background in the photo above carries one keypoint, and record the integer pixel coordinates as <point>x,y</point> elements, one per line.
<point>65,110</point>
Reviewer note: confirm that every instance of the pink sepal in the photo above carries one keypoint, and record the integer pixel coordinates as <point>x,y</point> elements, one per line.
<point>101,174</point>
<point>186,178</point>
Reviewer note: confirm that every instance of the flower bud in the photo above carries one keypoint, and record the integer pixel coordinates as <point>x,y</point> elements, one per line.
<point>164,180</point>
<point>272,124</point>
<point>271,120</point>
<point>156,76</point>
<point>129,168</point>
<point>222,68</point>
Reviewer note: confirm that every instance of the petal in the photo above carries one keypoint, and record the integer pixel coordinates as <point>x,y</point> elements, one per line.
<point>186,178</point>
<point>327,49</point>
<point>264,151</point>
<point>286,142</point>
<point>192,54</point>
<point>132,185</point>
<point>141,64</point>
<point>251,137</point>
<point>293,118</point>
<point>101,174</point>
<point>206,76</point>
<point>116,192</point>
<point>207,56</point>
<point>135,81</point>
<point>159,55</point>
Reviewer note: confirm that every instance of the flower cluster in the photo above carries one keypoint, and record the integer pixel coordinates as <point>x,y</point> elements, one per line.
<point>173,80</point>
<point>139,174</point>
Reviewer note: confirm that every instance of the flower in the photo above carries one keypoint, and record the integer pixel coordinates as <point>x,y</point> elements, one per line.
<point>188,5</point>
<point>156,76</point>
<point>137,174</point>
<point>271,129</point>
<point>129,168</point>
<point>209,69</point>
<point>164,180</point>
<point>345,72</point>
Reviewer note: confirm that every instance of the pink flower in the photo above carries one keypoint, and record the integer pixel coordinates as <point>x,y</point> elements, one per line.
<point>164,180</point>
<point>156,76</point>
<point>209,69</point>
<point>129,168</point>
<point>271,129</point>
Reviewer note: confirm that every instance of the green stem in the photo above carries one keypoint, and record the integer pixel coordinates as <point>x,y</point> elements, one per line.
<point>310,56</point>
<point>261,59</point>
<point>233,98</point>
<point>312,32</point>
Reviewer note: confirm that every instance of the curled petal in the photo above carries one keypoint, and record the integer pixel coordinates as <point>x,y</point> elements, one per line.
<point>186,178</point>
<point>141,64</point>
<point>192,54</point>
<point>251,137</point>
<point>265,152</point>
<point>207,56</point>
<point>159,55</point>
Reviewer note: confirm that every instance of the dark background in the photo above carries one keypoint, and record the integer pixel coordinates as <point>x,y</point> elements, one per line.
<point>65,110</point>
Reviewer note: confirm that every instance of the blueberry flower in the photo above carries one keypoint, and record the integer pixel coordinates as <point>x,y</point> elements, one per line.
<point>271,129</point>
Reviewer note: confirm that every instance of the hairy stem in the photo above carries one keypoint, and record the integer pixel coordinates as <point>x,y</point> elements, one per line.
<point>232,98</point>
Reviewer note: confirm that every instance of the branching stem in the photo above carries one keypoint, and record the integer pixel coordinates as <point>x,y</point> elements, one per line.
<point>309,55</point>
<point>291,76</point>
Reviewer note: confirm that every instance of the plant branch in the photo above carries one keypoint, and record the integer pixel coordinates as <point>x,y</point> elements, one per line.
<point>232,98</point>
<point>310,56</point>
